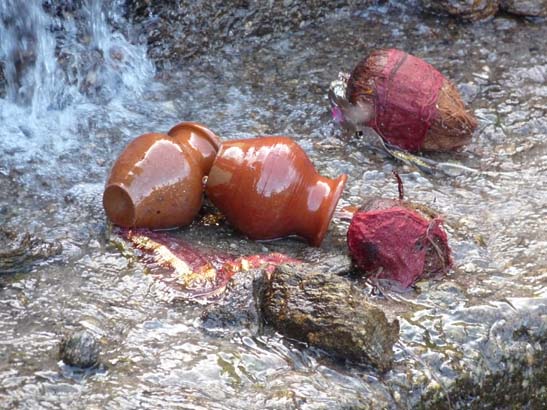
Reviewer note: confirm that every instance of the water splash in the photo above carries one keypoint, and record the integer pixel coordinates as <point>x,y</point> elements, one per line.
<point>57,56</point>
<point>27,51</point>
<point>69,70</point>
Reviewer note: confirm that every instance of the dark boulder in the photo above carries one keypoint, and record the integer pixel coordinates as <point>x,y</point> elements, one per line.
<point>328,312</point>
<point>239,305</point>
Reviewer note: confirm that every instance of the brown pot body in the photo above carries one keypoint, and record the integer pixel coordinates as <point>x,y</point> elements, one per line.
<point>268,188</point>
<point>157,181</point>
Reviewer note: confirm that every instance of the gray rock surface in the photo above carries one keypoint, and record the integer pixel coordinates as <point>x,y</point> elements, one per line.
<point>2,82</point>
<point>203,25</point>
<point>478,10</point>
<point>18,250</point>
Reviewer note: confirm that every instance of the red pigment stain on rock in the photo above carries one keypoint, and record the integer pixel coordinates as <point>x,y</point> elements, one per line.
<point>399,245</point>
<point>200,272</point>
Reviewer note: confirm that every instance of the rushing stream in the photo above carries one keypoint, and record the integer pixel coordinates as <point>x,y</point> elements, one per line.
<point>78,86</point>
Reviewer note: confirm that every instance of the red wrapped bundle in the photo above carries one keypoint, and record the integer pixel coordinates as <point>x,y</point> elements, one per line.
<point>406,100</point>
<point>394,241</point>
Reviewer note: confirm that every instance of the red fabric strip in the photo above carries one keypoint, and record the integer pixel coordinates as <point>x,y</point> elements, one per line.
<point>405,100</point>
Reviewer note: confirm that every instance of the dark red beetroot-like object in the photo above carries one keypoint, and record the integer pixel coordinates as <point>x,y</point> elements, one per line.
<point>409,103</point>
<point>393,240</point>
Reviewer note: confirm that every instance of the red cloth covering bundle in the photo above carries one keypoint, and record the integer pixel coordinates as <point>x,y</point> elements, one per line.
<point>394,241</point>
<point>413,105</point>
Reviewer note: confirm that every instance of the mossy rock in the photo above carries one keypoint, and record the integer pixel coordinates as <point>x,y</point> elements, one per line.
<point>328,312</point>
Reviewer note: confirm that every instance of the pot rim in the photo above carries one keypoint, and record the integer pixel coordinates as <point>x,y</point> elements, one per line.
<point>334,197</point>
<point>213,138</point>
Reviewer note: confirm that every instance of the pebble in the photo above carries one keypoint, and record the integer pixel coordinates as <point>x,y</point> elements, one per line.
<point>80,348</point>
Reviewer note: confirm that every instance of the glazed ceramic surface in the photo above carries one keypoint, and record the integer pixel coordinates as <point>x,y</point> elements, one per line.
<point>204,142</point>
<point>157,181</point>
<point>268,188</point>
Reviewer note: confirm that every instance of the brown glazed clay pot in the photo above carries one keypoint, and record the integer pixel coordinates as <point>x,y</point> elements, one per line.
<point>156,182</point>
<point>268,188</point>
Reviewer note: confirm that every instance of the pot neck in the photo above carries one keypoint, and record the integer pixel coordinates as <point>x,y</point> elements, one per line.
<point>320,202</point>
<point>203,142</point>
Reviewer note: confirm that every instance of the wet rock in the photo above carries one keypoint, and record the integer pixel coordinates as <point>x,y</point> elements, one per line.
<point>238,307</point>
<point>19,250</point>
<point>326,311</point>
<point>525,7</point>
<point>511,371</point>
<point>80,348</point>
<point>181,29</point>
<point>465,9</point>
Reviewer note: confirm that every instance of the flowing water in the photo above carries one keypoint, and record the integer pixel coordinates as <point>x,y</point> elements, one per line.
<point>79,87</point>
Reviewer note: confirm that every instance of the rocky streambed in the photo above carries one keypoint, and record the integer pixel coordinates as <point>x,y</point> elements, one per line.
<point>473,339</point>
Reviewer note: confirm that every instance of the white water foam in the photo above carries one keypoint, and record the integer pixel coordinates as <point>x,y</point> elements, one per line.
<point>62,65</point>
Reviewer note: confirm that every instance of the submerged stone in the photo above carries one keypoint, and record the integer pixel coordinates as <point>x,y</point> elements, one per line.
<point>18,250</point>
<point>338,264</point>
<point>238,307</point>
<point>328,312</point>
<point>80,349</point>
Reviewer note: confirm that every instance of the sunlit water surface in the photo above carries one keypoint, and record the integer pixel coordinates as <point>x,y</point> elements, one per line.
<point>60,134</point>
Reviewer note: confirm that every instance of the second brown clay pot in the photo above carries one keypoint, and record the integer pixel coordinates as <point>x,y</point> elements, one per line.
<point>268,188</point>
<point>156,182</point>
